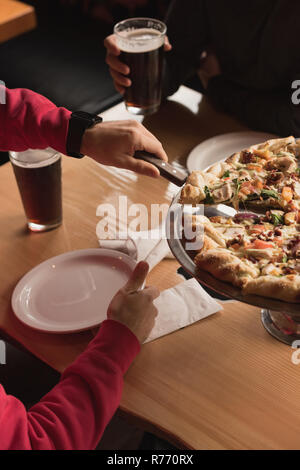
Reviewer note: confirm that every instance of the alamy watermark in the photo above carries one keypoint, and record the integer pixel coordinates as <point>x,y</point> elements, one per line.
<point>296,354</point>
<point>138,221</point>
<point>2,92</point>
<point>296,93</point>
<point>2,352</point>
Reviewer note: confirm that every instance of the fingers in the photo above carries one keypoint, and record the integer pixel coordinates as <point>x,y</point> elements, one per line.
<point>119,89</point>
<point>117,68</point>
<point>117,65</point>
<point>153,145</point>
<point>167,45</point>
<point>120,79</point>
<point>137,278</point>
<point>142,139</point>
<point>152,292</point>
<point>110,43</point>
<point>141,167</point>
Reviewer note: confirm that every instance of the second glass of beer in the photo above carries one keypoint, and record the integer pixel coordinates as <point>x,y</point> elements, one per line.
<point>38,174</point>
<point>141,41</point>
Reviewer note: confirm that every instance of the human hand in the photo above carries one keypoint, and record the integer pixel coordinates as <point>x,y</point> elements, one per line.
<point>115,142</point>
<point>133,307</point>
<point>118,69</point>
<point>209,68</point>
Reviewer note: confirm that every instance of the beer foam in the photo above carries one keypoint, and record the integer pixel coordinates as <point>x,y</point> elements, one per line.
<point>141,40</point>
<point>34,158</point>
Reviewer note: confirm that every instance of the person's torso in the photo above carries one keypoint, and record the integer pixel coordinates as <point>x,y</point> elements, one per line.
<point>256,41</point>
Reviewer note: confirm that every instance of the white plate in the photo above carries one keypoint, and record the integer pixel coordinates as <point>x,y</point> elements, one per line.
<point>222,146</point>
<point>71,292</point>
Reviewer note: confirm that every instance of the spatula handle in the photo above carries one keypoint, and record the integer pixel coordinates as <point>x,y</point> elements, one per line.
<point>172,174</point>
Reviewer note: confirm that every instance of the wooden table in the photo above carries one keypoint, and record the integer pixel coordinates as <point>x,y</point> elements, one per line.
<point>222,383</point>
<point>15,18</point>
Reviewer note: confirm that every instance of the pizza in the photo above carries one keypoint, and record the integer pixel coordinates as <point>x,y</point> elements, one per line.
<point>258,252</point>
<point>263,176</point>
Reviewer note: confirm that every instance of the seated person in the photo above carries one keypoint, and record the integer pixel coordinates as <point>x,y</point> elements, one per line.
<point>74,414</point>
<point>250,59</point>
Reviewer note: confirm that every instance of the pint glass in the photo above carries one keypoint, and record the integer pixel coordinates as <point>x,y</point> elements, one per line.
<point>141,41</point>
<point>38,175</point>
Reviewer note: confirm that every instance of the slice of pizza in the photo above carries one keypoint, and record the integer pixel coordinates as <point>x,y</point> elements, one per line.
<point>264,176</point>
<point>258,253</point>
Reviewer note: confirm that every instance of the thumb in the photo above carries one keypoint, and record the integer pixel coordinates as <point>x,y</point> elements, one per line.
<point>167,45</point>
<point>137,277</point>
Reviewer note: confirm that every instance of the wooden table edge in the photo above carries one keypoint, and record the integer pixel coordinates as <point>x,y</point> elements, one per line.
<point>148,426</point>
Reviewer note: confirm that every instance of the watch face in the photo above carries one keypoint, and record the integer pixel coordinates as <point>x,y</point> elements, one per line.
<point>83,115</point>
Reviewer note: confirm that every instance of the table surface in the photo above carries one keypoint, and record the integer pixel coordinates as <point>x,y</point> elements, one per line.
<point>15,18</point>
<point>222,383</point>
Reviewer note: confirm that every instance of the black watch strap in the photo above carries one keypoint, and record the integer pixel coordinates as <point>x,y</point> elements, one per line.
<point>79,122</point>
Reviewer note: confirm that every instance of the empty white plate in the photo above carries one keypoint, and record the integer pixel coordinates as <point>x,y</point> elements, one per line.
<point>71,292</point>
<point>222,146</point>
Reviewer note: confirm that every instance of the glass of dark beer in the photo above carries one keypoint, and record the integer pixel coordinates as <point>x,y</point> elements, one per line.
<point>141,41</point>
<point>38,175</point>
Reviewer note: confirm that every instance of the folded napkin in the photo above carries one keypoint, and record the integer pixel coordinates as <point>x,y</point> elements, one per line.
<point>179,306</point>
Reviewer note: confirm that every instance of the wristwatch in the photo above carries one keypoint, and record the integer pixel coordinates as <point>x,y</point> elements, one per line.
<point>79,122</point>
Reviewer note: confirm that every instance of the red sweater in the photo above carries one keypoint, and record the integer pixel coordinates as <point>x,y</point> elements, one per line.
<point>74,414</point>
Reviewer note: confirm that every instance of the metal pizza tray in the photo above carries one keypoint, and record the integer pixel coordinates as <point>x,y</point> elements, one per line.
<point>186,260</point>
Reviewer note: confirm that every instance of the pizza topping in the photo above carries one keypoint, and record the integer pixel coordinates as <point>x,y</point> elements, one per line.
<point>217,219</point>
<point>290,218</point>
<point>297,267</point>
<point>284,163</point>
<point>258,184</point>
<point>287,193</point>
<point>296,187</point>
<point>235,246</point>
<point>274,177</point>
<point>240,216</point>
<point>294,247</point>
<point>288,270</point>
<point>265,154</point>
<point>277,217</point>
<point>247,188</point>
<point>226,174</point>
<point>248,157</point>
<point>269,193</point>
<point>232,232</point>
<point>270,268</point>
<point>260,253</point>
<point>260,244</point>
<point>208,197</point>
<point>294,149</point>
<point>224,193</point>
<point>254,167</point>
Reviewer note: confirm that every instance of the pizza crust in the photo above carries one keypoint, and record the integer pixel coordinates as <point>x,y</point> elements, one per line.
<point>286,288</point>
<point>226,266</point>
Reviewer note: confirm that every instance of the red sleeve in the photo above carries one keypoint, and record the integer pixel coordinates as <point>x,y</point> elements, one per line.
<point>29,120</point>
<point>74,414</point>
